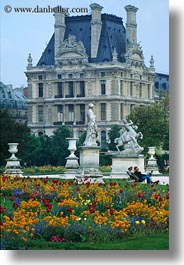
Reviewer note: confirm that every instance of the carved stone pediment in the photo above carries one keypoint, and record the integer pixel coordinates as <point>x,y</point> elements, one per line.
<point>71,52</point>
<point>134,56</point>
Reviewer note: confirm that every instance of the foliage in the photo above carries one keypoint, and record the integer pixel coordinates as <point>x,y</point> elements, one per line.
<point>55,211</point>
<point>11,132</point>
<point>153,122</point>
<point>113,134</point>
<point>105,160</point>
<point>60,145</point>
<point>44,170</point>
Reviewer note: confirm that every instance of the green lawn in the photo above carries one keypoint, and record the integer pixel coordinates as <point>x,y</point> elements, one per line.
<point>151,242</point>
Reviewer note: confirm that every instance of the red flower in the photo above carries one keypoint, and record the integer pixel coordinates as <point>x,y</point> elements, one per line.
<point>15,205</point>
<point>1,223</point>
<point>55,181</point>
<point>49,206</point>
<point>2,209</point>
<point>107,206</point>
<point>12,198</point>
<point>48,210</point>
<point>4,179</point>
<point>70,210</point>
<point>156,196</point>
<point>92,210</point>
<point>111,211</point>
<point>167,196</point>
<point>140,194</point>
<point>46,202</point>
<point>121,191</point>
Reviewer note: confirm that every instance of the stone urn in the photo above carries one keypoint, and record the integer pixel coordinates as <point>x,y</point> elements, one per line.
<point>13,166</point>
<point>152,161</point>
<point>72,146</point>
<point>71,161</point>
<point>151,151</point>
<point>13,150</point>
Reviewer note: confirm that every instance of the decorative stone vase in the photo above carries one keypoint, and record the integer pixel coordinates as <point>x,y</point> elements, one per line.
<point>71,161</point>
<point>13,150</point>
<point>151,152</point>
<point>13,166</point>
<point>152,162</point>
<point>72,146</point>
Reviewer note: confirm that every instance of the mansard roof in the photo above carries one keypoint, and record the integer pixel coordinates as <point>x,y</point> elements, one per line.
<point>12,98</point>
<point>112,37</point>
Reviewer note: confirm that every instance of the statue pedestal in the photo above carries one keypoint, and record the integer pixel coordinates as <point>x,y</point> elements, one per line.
<point>13,167</point>
<point>89,164</point>
<point>72,166</point>
<point>121,163</point>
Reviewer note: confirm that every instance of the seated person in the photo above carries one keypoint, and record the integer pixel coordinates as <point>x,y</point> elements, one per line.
<point>142,177</point>
<point>131,174</point>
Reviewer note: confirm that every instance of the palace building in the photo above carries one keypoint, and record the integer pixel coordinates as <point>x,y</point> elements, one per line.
<point>91,58</point>
<point>14,101</point>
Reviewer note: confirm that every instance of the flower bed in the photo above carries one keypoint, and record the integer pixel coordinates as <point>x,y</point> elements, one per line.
<point>60,211</point>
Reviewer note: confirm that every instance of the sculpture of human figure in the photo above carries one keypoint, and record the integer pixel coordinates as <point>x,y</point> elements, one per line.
<point>92,127</point>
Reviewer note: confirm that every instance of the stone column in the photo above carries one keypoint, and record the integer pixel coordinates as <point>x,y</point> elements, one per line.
<point>96,26</point>
<point>131,26</point>
<point>59,29</point>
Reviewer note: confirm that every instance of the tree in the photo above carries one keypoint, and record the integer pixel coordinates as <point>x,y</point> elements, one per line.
<point>12,132</point>
<point>153,122</point>
<point>38,151</point>
<point>60,145</point>
<point>113,134</point>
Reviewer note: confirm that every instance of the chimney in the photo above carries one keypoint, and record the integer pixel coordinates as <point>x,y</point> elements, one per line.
<point>59,29</point>
<point>96,26</point>
<point>131,26</point>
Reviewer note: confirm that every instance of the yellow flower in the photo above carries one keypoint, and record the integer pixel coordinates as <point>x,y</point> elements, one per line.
<point>143,222</point>
<point>137,222</point>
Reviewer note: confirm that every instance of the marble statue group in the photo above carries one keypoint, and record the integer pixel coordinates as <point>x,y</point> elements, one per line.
<point>128,137</point>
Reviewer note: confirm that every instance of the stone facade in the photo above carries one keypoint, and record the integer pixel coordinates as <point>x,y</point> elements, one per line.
<point>107,69</point>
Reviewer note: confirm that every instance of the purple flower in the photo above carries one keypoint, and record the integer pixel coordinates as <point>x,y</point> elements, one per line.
<point>17,193</point>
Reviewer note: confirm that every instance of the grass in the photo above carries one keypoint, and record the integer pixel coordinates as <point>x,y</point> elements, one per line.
<point>151,242</point>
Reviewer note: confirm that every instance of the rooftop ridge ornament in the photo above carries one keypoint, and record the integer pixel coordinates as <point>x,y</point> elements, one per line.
<point>71,45</point>
<point>152,66</point>
<point>30,61</point>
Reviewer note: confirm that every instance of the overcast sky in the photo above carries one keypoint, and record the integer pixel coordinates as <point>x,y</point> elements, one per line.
<point>24,33</point>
